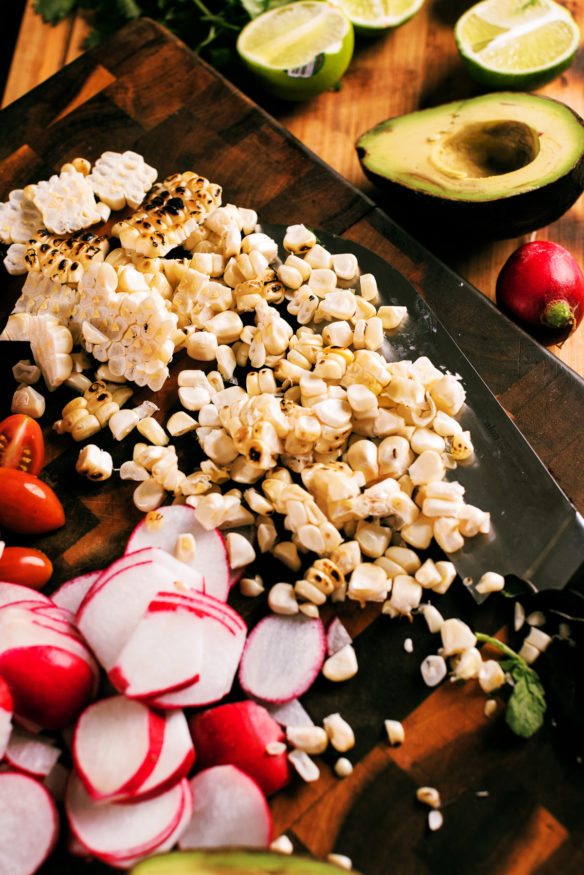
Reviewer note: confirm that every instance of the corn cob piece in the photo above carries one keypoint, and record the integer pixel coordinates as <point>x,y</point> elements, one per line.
<point>66,202</point>
<point>121,179</point>
<point>19,218</point>
<point>63,259</point>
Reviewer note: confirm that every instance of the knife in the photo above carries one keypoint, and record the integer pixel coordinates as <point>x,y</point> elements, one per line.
<point>537,535</point>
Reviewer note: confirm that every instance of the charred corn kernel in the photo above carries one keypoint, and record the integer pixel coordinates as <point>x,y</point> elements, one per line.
<point>448,394</point>
<point>154,521</point>
<point>133,471</point>
<point>342,665</point>
<point>78,382</point>
<point>305,590</point>
<point>337,305</point>
<point>186,547</point>
<point>309,610</point>
<point>340,733</point>
<point>346,557</point>
<point>85,427</point>
<point>428,575</point>
<point>180,423</point>
<point>456,636</point>
<point>148,495</point>
<point>419,533</point>
<point>311,739</point>
<point>406,594</point>
<point>28,401</point>
<point>262,243</point>
<point>266,535</point>
<point>429,796</point>
<point>94,463</point>
<point>394,456</point>
<point>461,446</point>
<point>368,288</point>
<point>202,345</point>
<point>447,575</point>
<point>325,575</point>
<point>282,844</point>
<point>122,422</point>
<point>538,638</point>
<point>490,581</point>
<point>433,670</point>
<point>343,767</point>
<point>425,439</point>
<point>491,676</point>
<point>395,731</point>
<point>373,538</point>
<point>282,600</point>
<point>298,239</point>
<point>251,586</point>
<point>239,550</point>
<point>391,316</point>
<point>368,583</point>
<point>490,707</point>
<point>287,552</point>
<point>306,768</point>
<point>338,334</point>
<point>290,276</point>
<point>447,534</point>
<point>345,266</point>
<point>466,664</point>
<point>25,372</point>
<point>152,431</point>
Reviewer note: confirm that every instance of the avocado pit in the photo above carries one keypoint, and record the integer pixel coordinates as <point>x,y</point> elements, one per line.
<point>483,149</point>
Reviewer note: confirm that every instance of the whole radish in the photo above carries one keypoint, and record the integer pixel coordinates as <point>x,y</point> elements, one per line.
<point>541,287</point>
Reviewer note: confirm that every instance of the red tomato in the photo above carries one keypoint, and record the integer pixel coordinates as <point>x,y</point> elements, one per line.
<point>25,565</point>
<point>21,443</point>
<point>27,505</point>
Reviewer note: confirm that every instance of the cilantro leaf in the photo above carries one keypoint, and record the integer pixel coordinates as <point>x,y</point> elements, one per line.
<point>526,705</point>
<point>53,11</point>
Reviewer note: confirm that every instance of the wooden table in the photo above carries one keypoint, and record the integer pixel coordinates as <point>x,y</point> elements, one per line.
<point>413,67</point>
<point>510,808</point>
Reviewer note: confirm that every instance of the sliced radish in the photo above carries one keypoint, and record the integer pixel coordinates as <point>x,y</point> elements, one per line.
<point>176,757</point>
<point>31,753</point>
<point>210,555</point>
<point>71,593</point>
<point>6,712</point>
<point>222,632</point>
<point>29,824</point>
<point>282,657</point>
<point>238,734</point>
<point>21,627</point>
<point>228,809</point>
<point>117,831</point>
<point>291,713</point>
<point>116,602</point>
<point>16,592</point>
<point>337,636</point>
<point>116,746</point>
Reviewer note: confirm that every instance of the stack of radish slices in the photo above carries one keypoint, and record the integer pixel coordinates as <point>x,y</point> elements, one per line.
<point>94,683</point>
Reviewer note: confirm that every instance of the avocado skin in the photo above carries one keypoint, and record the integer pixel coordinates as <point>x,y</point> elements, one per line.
<point>500,217</point>
<point>233,862</point>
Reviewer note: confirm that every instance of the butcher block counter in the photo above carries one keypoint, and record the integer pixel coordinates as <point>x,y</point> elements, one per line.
<point>510,806</point>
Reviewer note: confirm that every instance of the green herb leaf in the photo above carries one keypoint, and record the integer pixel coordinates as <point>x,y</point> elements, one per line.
<point>53,11</point>
<point>526,706</point>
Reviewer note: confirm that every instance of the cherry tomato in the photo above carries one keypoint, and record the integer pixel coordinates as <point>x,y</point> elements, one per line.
<point>21,443</point>
<point>26,566</point>
<point>27,505</point>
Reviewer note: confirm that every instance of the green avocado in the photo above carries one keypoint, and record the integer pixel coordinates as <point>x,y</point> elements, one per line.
<point>233,862</point>
<point>495,166</point>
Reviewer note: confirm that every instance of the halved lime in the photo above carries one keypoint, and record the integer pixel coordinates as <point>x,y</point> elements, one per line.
<point>372,16</point>
<point>516,44</point>
<point>298,50</point>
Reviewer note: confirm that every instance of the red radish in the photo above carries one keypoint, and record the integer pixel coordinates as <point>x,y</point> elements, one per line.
<point>71,593</point>
<point>282,657</point>
<point>541,287</point>
<point>210,555</point>
<point>291,713</point>
<point>29,824</point>
<point>228,809</point>
<point>31,753</point>
<point>6,712</point>
<point>175,759</point>
<point>119,597</point>
<point>16,592</point>
<point>337,637</point>
<point>118,832</point>
<point>238,733</point>
<point>223,636</point>
<point>116,746</point>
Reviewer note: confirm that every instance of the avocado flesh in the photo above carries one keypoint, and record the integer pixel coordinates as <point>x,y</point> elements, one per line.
<point>501,164</point>
<point>232,862</point>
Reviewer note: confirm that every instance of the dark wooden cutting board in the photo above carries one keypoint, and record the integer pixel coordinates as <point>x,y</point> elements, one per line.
<point>509,806</point>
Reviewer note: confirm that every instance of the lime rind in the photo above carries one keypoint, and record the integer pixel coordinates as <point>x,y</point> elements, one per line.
<point>375,19</point>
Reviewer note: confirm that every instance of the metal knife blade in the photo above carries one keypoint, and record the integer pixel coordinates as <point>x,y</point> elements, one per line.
<point>537,535</point>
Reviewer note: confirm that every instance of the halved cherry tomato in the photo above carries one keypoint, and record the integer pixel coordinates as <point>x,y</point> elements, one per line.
<point>21,443</point>
<point>28,505</point>
<point>25,565</point>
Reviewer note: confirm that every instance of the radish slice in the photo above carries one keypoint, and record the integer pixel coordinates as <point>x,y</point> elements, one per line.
<point>118,599</point>
<point>31,753</point>
<point>16,592</point>
<point>119,832</point>
<point>282,657</point>
<point>175,759</point>
<point>210,556</point>
<point>337,637</point>
<point>29,824</point>
<point>228,809</point>
<point>71,593</point>
<point>222,633</point>
<point>290,713</point>
<point>116,745</point>
<point>19,627</point>
<point>6,712</point>
<point>163,653</point>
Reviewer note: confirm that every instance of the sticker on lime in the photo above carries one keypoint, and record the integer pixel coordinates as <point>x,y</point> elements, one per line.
<point>307,70</point>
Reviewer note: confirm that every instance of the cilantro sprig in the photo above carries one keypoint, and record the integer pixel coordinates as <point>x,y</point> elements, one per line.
<point>209,27</point>
<point>526,705</point>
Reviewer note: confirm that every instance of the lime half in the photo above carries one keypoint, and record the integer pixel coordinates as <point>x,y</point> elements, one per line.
<point>372,16</point>
<point>516,44</point>
<point>298,50</point>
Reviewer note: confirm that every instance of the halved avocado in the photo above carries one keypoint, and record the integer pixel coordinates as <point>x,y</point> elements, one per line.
<point>233,862</point>
<point>499,165</point>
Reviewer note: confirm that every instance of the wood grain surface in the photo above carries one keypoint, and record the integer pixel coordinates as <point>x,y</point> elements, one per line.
<point>510,807</point>
<point>414,67</point>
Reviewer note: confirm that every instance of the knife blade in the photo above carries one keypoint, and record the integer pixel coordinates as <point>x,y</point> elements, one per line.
<point>537,535</point>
